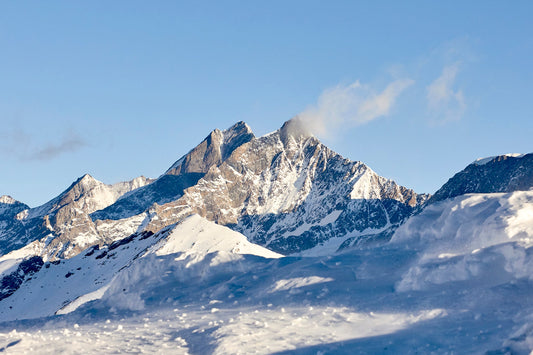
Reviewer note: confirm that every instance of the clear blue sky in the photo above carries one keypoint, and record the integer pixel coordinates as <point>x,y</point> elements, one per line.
<point>124,88</point>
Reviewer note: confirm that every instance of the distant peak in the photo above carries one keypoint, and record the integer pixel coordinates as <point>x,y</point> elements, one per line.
<point>238,129</point>
<point>87,178</point>
<point>86,181</point>
<point>7,200</point>
<point>239,126</point>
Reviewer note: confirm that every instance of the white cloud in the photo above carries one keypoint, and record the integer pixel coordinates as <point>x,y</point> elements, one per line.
<point>353,104</point>
<point>444,102</point>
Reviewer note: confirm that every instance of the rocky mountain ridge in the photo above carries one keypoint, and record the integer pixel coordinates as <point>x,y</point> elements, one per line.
<point>503,173</point>
<point>289,192</point>
<point>63,225</point>
<point>286,191</point>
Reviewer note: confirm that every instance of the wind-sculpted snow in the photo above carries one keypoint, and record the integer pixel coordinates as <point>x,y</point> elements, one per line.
<point>349,303</point>
<point>482,237</point>
<point>456,278</point>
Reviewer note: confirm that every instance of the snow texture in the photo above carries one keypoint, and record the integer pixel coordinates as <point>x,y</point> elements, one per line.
<point>456,278</point>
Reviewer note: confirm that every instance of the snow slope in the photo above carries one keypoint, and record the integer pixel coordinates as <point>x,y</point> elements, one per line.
<point>197,235</point>
<point>64,285</point>
<point>456,278</point>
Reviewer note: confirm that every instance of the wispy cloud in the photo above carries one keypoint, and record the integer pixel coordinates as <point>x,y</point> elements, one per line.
<point>445,102</point>
<point>21,145</point>
<point>68,144</point>
<point>353,104</point>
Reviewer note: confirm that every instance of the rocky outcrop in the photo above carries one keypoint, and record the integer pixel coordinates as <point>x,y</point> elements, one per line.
<point>213,150</point>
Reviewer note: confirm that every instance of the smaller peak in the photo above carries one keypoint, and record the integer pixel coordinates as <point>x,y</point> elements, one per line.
<point>7,200</point>
<point>240,126</point>
<point>86,180</point>
<point>238,129</point>
<point>87,177</point>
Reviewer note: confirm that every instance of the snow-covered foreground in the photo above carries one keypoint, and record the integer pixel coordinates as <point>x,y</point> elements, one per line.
<point>457,278</point>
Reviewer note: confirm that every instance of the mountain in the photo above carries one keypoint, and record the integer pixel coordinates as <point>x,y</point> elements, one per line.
<point>11,228</point>
<point>374,267</point>
<point>285,191</point>
<point>288,192</point>
<point>35,289</point>
<point>63,224</point>
<point>184,173</point>
<point>503,173</point>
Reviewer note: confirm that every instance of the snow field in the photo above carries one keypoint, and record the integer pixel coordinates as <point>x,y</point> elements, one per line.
<point>456,278</point>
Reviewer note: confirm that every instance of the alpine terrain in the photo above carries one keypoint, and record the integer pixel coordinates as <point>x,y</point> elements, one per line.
<point>272,244</point>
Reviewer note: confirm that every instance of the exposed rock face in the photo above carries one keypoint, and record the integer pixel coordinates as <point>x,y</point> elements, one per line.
<point>184,173</point>
<point>11,282</point>
<point>504,173</point>
<point>213,150</point>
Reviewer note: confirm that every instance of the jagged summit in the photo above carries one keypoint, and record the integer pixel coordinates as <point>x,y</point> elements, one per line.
<point>285,190</point>
<point>214,149</point>
<point>289,192</point>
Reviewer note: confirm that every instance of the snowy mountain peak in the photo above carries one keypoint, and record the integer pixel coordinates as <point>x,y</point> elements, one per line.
<point>8,200</point>
<point>214,149</point>
<point>289,192</point>
<point>87,181</point>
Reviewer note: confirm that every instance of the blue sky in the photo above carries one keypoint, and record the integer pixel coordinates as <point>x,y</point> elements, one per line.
<point>416,89</point>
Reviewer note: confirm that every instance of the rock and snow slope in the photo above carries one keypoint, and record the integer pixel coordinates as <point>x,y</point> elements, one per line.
<point>288,192</point>
<point>454,278</point>
<point>63,224</point>
<point>61,286</point>
<point>285,191</point>
<point>184,173</point>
